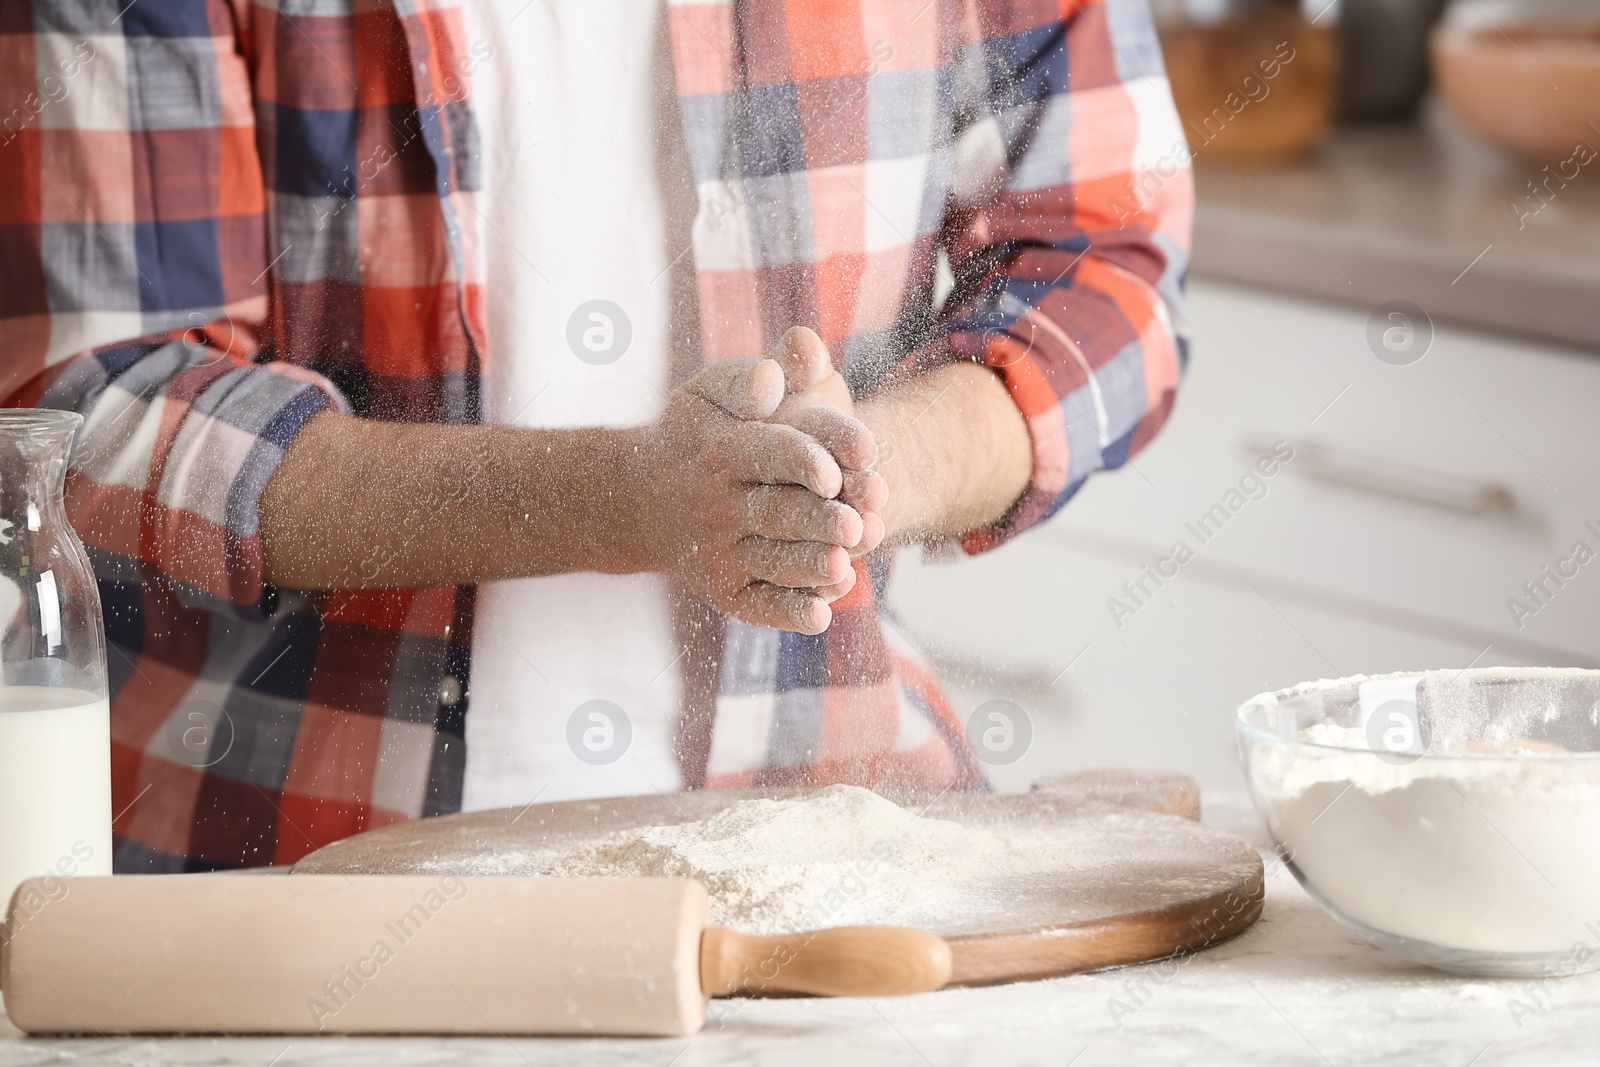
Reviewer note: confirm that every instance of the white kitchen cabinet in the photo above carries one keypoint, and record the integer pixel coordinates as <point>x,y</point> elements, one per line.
<point>1364,555</point>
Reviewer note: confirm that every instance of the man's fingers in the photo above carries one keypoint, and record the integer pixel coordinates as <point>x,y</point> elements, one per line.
<point>782,455</point>
<point>762,604</point>
<point>864,490</point>
<point>752,392</point>
<point>794,564</point>
<point>872,533</point>
<point>803,357</point>
<point>831,593</point>
<point>847,439</point>
<point>867,492</point>
<point>790,513</point>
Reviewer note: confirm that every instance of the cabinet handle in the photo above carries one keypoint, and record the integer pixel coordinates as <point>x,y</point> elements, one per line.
<point>1417,485</point>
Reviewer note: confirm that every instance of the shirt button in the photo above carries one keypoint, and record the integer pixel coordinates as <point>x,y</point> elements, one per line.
<point>450,691</point>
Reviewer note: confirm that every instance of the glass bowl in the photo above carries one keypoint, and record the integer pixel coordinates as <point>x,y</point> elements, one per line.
<point>1452,816</point>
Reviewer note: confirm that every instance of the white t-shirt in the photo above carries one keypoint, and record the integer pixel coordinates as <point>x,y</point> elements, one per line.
<point>587,196</point>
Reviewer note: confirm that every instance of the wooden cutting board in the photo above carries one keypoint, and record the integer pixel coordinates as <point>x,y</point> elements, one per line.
<point>1153,884</point>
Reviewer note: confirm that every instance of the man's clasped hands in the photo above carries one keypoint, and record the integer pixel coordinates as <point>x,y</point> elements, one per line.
<point>764,491</point>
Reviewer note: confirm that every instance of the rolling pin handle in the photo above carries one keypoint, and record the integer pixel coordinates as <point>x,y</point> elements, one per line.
<point>865,961</point>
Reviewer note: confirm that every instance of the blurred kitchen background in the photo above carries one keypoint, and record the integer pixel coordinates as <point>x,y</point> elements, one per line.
<point>1397,271</point>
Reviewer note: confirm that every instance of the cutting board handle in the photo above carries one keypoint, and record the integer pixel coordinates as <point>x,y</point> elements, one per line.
<point>847,961</point>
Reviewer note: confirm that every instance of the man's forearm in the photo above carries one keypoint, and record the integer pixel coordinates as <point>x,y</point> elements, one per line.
<point>954,450</point>
<point>357,503</point>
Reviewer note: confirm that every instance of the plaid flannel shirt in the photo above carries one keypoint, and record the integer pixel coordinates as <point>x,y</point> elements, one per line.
<point>220,217</point>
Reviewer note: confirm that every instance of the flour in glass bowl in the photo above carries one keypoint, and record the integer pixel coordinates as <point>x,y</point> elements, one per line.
<point>1488,844</point>
<point>842,856</point>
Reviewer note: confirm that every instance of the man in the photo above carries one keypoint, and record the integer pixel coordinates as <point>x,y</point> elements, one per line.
<point>288,258</point>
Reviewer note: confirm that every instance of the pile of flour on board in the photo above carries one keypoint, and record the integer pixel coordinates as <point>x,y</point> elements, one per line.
<point>842,856</point>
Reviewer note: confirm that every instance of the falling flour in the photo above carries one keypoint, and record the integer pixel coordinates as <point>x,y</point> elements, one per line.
<point>842,856</point>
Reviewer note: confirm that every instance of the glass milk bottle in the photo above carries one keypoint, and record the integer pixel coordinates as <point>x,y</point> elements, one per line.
<point>55,719</point>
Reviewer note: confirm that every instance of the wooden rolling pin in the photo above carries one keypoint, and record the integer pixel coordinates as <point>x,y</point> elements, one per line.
<point>448,955</point>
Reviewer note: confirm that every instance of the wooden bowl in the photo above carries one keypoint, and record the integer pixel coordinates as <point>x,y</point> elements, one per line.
<point>1533,89</point>
<point>1255,89</point>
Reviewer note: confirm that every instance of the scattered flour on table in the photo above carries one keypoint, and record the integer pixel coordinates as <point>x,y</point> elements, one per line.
<point>842,856</point>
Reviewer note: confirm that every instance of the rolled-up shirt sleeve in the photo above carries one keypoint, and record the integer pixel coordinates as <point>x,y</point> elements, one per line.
<point>1068,238</point>
<point>176,447</point>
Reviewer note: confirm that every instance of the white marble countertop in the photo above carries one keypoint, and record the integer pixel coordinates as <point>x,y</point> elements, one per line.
<point>1295,989</point>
